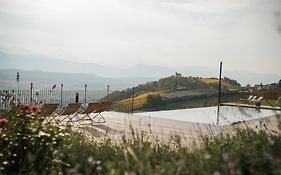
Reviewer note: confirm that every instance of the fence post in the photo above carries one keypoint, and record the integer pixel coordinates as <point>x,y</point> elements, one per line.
<point>107,93</point>
<point>85,99</point>
<point>61,90</point>
<point>133,100</point>
<point>77,97</point>
<point>219,94</point>
<point>18,81</point>
<point>31,89</point>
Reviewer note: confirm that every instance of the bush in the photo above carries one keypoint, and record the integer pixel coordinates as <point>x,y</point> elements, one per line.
<point>28,146</point>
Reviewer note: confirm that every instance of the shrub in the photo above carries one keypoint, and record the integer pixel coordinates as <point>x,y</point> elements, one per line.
<point>28,145</point>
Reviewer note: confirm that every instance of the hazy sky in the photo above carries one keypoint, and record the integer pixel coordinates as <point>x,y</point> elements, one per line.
<point>244,34</point>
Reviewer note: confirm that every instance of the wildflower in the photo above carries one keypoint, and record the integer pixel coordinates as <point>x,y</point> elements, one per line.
<point>35,109</point>
<point>42,133</point>
<point>25,107</point>
<point>207,156</point>
<point>90,159</point>
<point>3,122</point>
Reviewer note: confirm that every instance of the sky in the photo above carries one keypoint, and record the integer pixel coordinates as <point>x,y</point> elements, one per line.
<point>244,34</point>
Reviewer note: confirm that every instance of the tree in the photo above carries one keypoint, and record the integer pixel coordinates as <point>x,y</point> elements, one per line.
<point>153,101</point>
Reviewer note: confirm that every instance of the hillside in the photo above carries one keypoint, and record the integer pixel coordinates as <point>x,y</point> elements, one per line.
<point>174,90</point>
<point>176,83</point>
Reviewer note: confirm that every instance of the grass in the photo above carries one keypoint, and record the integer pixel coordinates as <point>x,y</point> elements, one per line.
<point>139,101</point>
<point>246,151</point>
<point>266,102</point>
<point>210,81</point>
<point>28,147</point>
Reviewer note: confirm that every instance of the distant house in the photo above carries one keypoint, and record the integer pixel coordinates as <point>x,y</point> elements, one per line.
<point>259,87</point>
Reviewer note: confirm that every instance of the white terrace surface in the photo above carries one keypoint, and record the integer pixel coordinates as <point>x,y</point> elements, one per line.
<point>119,125</point>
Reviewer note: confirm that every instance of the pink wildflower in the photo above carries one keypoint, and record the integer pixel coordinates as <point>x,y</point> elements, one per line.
<point>24,107</point>
<point>4,122</point>
<point>35,108</point>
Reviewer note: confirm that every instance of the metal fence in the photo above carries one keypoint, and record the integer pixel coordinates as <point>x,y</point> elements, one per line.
<point>40,97</point>
<point>124,101</point>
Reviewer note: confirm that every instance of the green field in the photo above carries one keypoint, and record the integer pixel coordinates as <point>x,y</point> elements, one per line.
<point>185,93</point>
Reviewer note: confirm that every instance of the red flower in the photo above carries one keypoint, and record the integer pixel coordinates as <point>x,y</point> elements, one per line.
<point>35,108</point>
<point>3,122</point>
<point>24,107</point>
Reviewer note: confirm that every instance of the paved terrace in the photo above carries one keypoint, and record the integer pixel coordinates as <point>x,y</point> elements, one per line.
<point>119,125</point>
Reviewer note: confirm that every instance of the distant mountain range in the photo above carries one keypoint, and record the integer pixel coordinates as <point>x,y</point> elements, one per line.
<point>46,70</point>
<point>45,80</point>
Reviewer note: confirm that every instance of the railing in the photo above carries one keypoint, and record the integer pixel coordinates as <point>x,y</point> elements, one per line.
<point>40,97</point>
<point>10,98</point>
<point>125,101</point>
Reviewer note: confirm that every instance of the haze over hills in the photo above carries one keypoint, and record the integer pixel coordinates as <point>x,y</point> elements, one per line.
<point>46,80</point>
<point>43,69</point>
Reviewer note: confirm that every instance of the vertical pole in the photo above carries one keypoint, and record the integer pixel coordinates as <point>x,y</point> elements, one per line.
<point>85,99</point>
<point>17,93</point>
<point>219,94</point>
<point>61,90</point>
<point>77,97</point>
<point>31,89</point>
<point>107,93</point>
<point>133,100</point>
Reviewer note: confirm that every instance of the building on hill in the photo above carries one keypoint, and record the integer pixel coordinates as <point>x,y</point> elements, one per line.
<point>178,74</point>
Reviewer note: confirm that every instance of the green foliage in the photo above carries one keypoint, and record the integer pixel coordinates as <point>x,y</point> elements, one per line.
<point>154,102</point>
<point>28,146</point>
<point>245,152</point>
<point>232,82</point>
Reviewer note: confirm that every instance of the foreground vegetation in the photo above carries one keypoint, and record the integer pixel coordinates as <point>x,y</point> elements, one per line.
<point>30,146</point>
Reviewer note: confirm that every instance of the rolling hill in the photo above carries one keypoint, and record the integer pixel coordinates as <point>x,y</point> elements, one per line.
<point>171,92</point>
